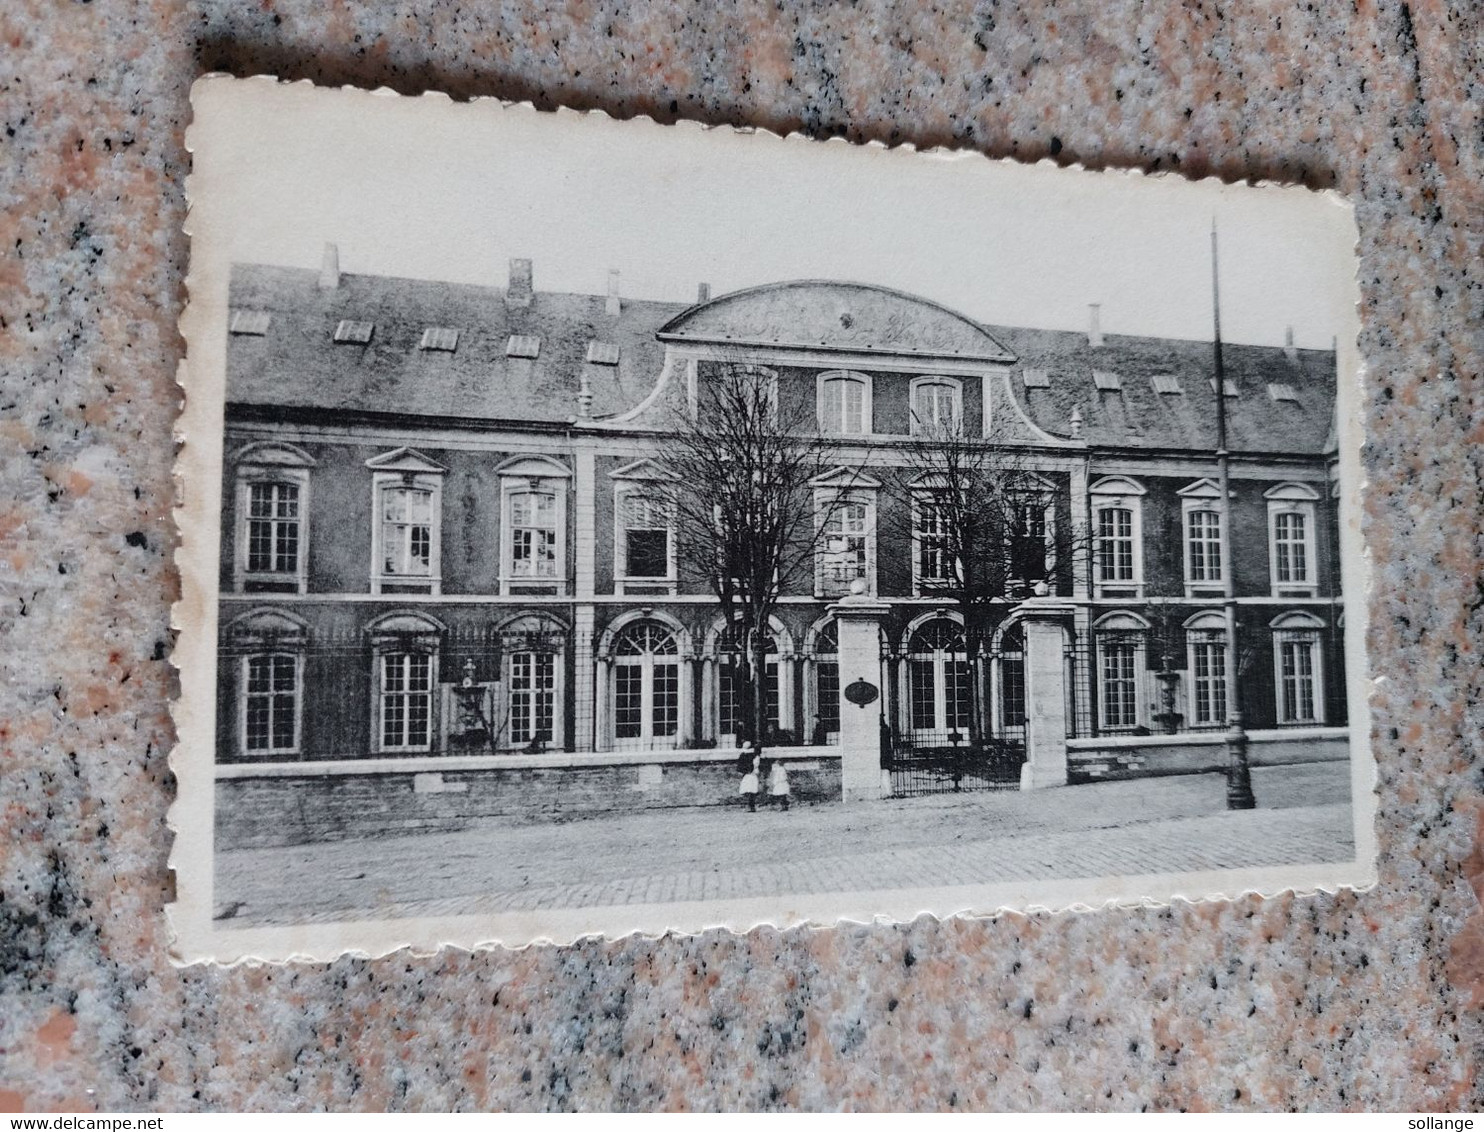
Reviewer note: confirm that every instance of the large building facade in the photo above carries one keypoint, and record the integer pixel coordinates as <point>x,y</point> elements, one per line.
<point>442,545</point>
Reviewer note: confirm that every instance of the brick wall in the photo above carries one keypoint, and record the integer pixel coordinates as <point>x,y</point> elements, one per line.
<point>257,812</point>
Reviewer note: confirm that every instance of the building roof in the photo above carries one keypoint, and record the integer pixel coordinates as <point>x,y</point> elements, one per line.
<point>1136,414</point>
<point>814,314</point>
<point>295,361</point>
<point>528,363</point>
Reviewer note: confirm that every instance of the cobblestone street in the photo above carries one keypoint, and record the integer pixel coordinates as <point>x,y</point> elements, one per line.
<point>657,856</point>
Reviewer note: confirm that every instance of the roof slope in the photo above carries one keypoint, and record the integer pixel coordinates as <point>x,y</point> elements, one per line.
<point>298,363</point>
<point>1137,416</point>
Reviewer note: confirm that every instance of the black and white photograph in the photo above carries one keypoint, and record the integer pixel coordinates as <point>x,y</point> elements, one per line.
<point>599,526</point>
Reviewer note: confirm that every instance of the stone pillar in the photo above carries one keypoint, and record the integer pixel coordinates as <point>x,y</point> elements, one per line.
<point>858,629</point>
<point>1044,621</point>
<point>600,706</point>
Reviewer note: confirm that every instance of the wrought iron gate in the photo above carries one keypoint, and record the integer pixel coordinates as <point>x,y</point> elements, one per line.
<point>939,765</point>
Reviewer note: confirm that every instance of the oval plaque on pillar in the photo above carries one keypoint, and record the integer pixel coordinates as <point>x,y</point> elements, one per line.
<point>861,692</point>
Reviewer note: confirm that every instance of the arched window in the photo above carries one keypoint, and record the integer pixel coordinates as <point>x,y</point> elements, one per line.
<point>405,646</point>
<point>1122,641</point>
<point>532,647</point>
<point>937,406</point>
<point>267,646</point>
<point>1012,678</point>
<point>844,404</point>
<point>938,681</point>
<point>825,727</point>
<point>1205,644</point>
<point>1298,665</point>
<point>646,687</point>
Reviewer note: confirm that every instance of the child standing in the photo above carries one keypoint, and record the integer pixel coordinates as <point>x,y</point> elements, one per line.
<point>750,785</point>
<point>778,783</point>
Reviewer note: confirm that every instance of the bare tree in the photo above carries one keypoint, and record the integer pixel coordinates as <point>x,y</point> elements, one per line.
<point>986,535</point>
<point>740,471</point>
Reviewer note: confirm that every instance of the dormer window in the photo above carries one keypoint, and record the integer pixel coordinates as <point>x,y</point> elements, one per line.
<point>1227,384</point>
<point>1167,384</point>
<point>602,353</point>
<point>407,496</point>
<point>522,346</point>
<point>1106,381</point>
<point>443,339</point>
<point>250,323</point>
<point>1036,379</point>
<point>353,333</point>
<point>1281,391</point>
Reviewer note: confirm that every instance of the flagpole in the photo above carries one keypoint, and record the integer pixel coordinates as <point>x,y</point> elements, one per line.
<point>1238,770</point>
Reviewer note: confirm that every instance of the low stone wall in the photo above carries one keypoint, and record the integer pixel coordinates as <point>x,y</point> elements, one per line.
<point>285,808</point>
<point>1099,760</point>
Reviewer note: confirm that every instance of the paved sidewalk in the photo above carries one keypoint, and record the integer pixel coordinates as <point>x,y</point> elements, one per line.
<point>715,853</point>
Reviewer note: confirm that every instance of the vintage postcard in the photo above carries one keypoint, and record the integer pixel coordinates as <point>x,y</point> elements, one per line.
<point>595,527</point>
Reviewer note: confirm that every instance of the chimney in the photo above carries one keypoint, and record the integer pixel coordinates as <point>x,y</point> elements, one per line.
<point>1288,346</point>
<point>703,293</point>
<point>329,268</point>
<point>584,396</point>
<point>614,305</point>
<point>1094,325</point>
<point>519,291</point>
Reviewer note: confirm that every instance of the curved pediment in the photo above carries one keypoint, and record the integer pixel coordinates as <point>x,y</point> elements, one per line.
<point>846,317</point>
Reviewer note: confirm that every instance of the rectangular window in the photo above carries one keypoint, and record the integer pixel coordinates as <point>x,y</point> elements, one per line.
<point>533,535</point>
<point>1028,542</point>
<point>406,701</point>
<point>1203,546</point>
<point>1012,685</point>
<point>844,410</point>
<point>406,531</point>
<point>646,538</point>
<point>959,693</point>
<point>827,696</point>
<point>1208,683</point>
<point>272,528</point>
<point>924,698</point>
<point>271,704</point>
<point>1119,682</point>
<point>1115,545</point>
<point>1290,548</point>
<point>845,555</point>
<point>628,701</point>
<point>1298,702</point>
<point>665,704</point>
<point>731,722</point>
<point>934,560</point>
<point>935,407</point>
<point>532,697</point>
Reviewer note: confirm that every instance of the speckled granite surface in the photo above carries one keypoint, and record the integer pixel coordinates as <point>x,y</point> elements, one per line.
<point>1369,1000</point>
